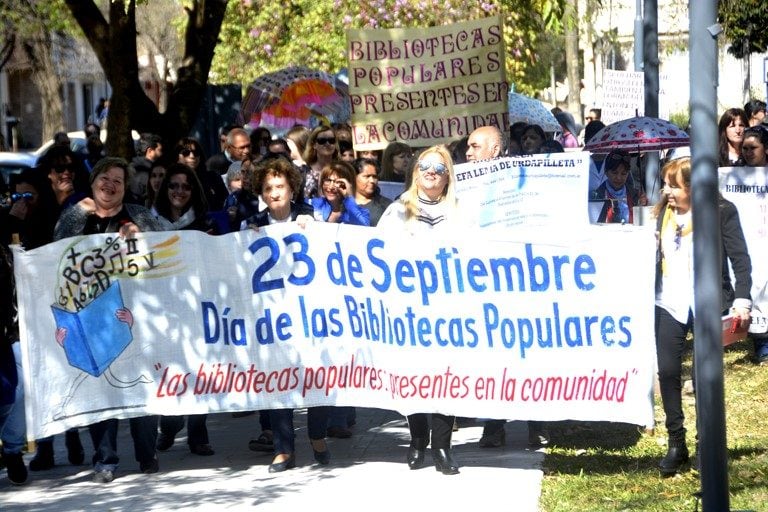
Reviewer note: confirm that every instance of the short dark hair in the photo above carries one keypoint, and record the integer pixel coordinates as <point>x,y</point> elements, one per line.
<point>754,106</point>
<point>148,141</point>
<point>360,163</point>
<point>276,167</point>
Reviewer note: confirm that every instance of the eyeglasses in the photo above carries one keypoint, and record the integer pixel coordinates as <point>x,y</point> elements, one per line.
<point>186,187</point>
<point>338,183</point>
<point>23,195</point>
<point>439,167</point>
<point>326,140</point>
<point>186,152</point>
<point>61,168</point>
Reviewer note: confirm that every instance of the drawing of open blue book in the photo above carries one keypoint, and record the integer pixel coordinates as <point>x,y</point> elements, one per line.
<point>95,336</point>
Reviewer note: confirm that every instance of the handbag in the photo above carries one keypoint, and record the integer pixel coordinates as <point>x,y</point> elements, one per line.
<point>734,330</point>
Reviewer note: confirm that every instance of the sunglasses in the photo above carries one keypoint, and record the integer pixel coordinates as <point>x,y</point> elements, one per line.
<point>187,152</point>
<point>439,167</point>
<point>61,168</point>
<point>186,187</point>
<point>19,196</point>
<point>326,140</point>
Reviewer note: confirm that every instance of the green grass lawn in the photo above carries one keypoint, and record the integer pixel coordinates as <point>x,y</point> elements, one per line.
<point>600,466</point>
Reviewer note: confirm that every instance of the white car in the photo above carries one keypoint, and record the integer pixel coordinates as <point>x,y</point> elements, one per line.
<point>14,163</point>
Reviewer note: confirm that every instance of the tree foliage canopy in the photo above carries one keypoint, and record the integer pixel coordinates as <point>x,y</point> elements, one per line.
<point>259,36</point>
<point>746,25</point>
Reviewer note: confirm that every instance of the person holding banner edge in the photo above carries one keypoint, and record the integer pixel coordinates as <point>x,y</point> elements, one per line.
<point>429,205</point>
<point>485,143</point>
<point>674,293</point>
<point>106,212</point>
<point>278,181</point>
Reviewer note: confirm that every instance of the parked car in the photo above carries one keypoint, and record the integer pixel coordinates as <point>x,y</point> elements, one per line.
<point>14,163</point>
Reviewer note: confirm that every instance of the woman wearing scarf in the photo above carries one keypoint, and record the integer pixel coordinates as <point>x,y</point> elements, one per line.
<point>617,190</point>
<point>674,293</point>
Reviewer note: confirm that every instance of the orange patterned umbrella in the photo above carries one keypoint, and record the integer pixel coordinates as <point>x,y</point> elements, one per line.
<point>292,96</point>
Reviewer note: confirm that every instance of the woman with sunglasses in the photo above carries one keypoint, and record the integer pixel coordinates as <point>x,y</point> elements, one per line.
<point>674,293</point>
<point>190,152</point>
<point>428,205</point>
<point>68,177</point>
<point>322,149</point>
<point>753,149</point>
<point>181,202</point>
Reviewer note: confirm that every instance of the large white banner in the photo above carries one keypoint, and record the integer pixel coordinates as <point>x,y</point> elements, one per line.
<point>747,188</point>
<point>548,325</point>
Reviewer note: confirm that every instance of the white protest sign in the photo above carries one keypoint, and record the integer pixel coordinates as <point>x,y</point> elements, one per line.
<point>535,190</point>
<point>623,95</point>
<point>747,188</point>
<point>538,327</point>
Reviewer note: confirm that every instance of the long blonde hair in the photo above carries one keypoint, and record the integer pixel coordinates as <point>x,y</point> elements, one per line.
<point>410,197</point>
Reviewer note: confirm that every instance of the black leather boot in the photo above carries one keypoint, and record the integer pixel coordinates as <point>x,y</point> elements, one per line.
<point>75,452</point>
<point>416,452</point>
<point>444,462</point>
<point>43,459</point>
<point>676,457</point>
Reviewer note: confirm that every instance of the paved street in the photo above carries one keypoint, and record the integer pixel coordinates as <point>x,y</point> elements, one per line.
<point>367,472</point>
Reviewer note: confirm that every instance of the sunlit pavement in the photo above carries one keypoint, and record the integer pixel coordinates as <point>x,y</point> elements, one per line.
<point>367,472</point>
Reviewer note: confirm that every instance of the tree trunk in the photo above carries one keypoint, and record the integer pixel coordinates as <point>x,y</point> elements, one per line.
<point>115,46</point>
<point>571,32</point>
<point>48,82</point>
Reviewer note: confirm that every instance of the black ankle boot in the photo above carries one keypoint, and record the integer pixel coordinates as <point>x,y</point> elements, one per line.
<point>676,457</point>
<point>444,462</point>
<point>75,452</point>
<point>14,465</point>
<point>416,453</point>
<point>43,459</point>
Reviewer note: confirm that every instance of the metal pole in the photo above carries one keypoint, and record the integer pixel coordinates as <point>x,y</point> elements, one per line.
<point>708,352</point>
<point>651,80</point>
<point>638,35</point>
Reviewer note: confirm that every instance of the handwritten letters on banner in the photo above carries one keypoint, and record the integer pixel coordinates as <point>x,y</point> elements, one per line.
<point>426,86</point>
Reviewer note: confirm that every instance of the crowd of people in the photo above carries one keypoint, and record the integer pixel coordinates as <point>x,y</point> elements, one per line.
<point>315,175</point>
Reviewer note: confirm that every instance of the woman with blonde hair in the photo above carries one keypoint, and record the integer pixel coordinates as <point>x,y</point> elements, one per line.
<point>674,293</point>
<point>322,149</point>
<point>429,204</point>
<point>430,201</point>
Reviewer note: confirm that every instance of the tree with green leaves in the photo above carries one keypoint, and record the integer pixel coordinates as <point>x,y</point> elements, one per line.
<point>37,28</point>
<point>745,24</point>
<point>259,36</point>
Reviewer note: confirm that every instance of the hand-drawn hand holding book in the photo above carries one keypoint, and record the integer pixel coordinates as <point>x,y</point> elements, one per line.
<point>95,336</point>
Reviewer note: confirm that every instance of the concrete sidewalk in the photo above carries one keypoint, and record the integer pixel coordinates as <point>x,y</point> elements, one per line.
<point>367,472</point>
